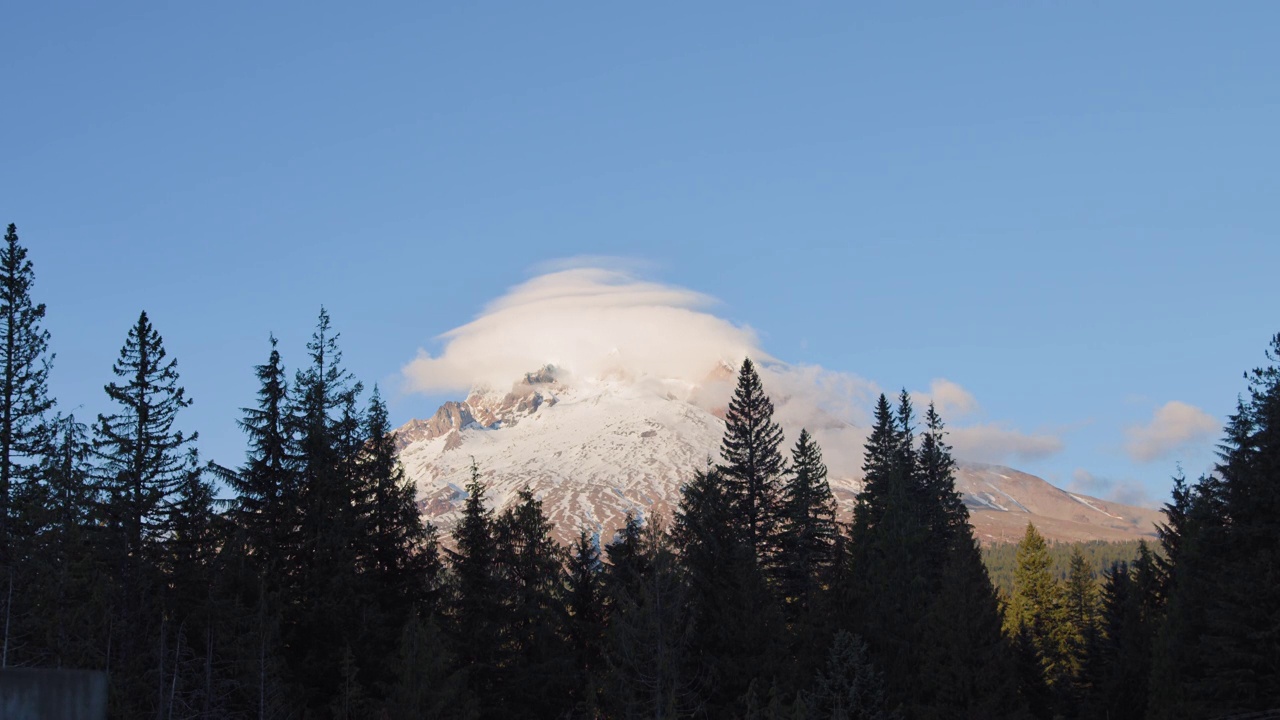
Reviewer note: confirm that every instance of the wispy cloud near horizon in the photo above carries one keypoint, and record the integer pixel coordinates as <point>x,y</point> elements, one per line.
<point>1174,426</point>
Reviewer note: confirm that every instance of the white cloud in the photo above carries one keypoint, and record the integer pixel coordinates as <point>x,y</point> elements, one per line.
<point>950,400</point>
<point>588,322</point>
<point>1174,426</point>
<point>1127,492</point>
<point>995,443</point>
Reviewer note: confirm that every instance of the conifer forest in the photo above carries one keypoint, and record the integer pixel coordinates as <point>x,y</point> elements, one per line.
<point>303,582</point>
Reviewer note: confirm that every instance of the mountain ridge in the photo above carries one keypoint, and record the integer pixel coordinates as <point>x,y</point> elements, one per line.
<point>594,450</point>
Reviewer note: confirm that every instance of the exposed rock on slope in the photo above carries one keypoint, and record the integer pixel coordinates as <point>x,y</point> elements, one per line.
<point>595,451</point>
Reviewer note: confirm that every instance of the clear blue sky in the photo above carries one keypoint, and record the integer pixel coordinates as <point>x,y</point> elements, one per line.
<point>1071,209</point>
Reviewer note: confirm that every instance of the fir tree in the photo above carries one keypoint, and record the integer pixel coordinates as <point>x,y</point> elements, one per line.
<point>1036,609</point>
<point>652,668</point>
<point>266,485</point>
<point>753,465</point>
<point>143,463</point>
<point>585,606</point>
<point>476,607</point>
<point>737,622</point>
<point>807,538</point>
<point>25,431</point>
<point>849,688</point>
<point>535,679</point>
<point>329,590</point>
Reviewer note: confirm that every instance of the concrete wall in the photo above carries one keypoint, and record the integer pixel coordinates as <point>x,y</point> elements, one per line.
<point>37,694</point>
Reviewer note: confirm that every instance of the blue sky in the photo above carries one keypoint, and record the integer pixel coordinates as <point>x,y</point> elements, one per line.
<point>1067,209</point>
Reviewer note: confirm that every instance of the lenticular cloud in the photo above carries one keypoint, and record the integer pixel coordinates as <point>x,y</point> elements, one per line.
<point>587,322</point>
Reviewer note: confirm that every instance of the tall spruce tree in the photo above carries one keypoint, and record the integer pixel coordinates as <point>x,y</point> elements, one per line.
<point>889,580</point>
<point>65,593</point>
<point>964,669</point>
<point>652,667</point>
<point>753,466</point>
<point>735,618</point>
<point>536,675</point>
<point>1036,612</point>
<point>401,560</point>
<point>25,431</point>
<point>476,601</point>
<point>142,464</point>
<point>328,590</point>
<point>266,485</point>
<point>585,624</point>
<point>808,532</point>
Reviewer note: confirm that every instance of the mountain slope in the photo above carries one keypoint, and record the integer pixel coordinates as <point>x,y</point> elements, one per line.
<point>596,450</point>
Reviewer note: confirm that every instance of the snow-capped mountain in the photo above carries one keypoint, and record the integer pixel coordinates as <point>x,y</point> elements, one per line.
<point>592,450</point>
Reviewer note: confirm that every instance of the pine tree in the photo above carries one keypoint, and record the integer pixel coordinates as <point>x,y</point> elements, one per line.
<point>476,603</point>
<point>64,592</point>
<point>753,466</point>
<point>1036,609</point>
<point>329,591</point>
<point>25,431</point>
<point>890,577</point>
<point>143,463</point>
<point>651,661</point>
<point>737,622</point>
<point>1118,660</point>
<point>807,537</point>
<point>1080,608</point>
<point>400,556</point>
<point>849,688</point>
<point>266,485</point>
<point>965,669</point>
<point>585,624</point>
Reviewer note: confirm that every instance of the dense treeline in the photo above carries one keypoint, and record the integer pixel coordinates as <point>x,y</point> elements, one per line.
<point>1001,559</point>
<point>316,591</point>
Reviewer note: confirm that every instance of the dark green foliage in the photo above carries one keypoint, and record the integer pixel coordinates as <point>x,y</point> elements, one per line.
<point>25,431</point>
<point>1036,612</point>
<point>652,668</point>
<point>535,661</point>
<point>736,620</point>
<point>1001,559</point>
<point>476,603</point>
<point>142,465</point>
<point>848,688</point>
<point>807,540</point>
<point>1118,658</point>
<point>753,466</point>
<point>585,624</point>
<point>268,495</point>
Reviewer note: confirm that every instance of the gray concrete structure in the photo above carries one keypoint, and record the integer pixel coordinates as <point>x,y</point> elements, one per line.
<point>41,694</point>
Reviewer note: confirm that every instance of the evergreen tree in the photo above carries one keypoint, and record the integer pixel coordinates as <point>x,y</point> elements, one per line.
<point>849,688</point>
<point>652,669</point>
<point>1036,610</point>
<point>753,466</point>
<point>585,605</point>
<point>1118,660</point>
<point>535,676</point>
<point>1080,607</point>
<point>65,589</point>
<point>329,592</point>
<point>1188,538</point>
<point>476,602</point>
<point>143,463</point>
<point>807,538</point>
<point>25,431</point>
<point>890,576</point>
<point>737,622</point>
<point>266,485</point>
